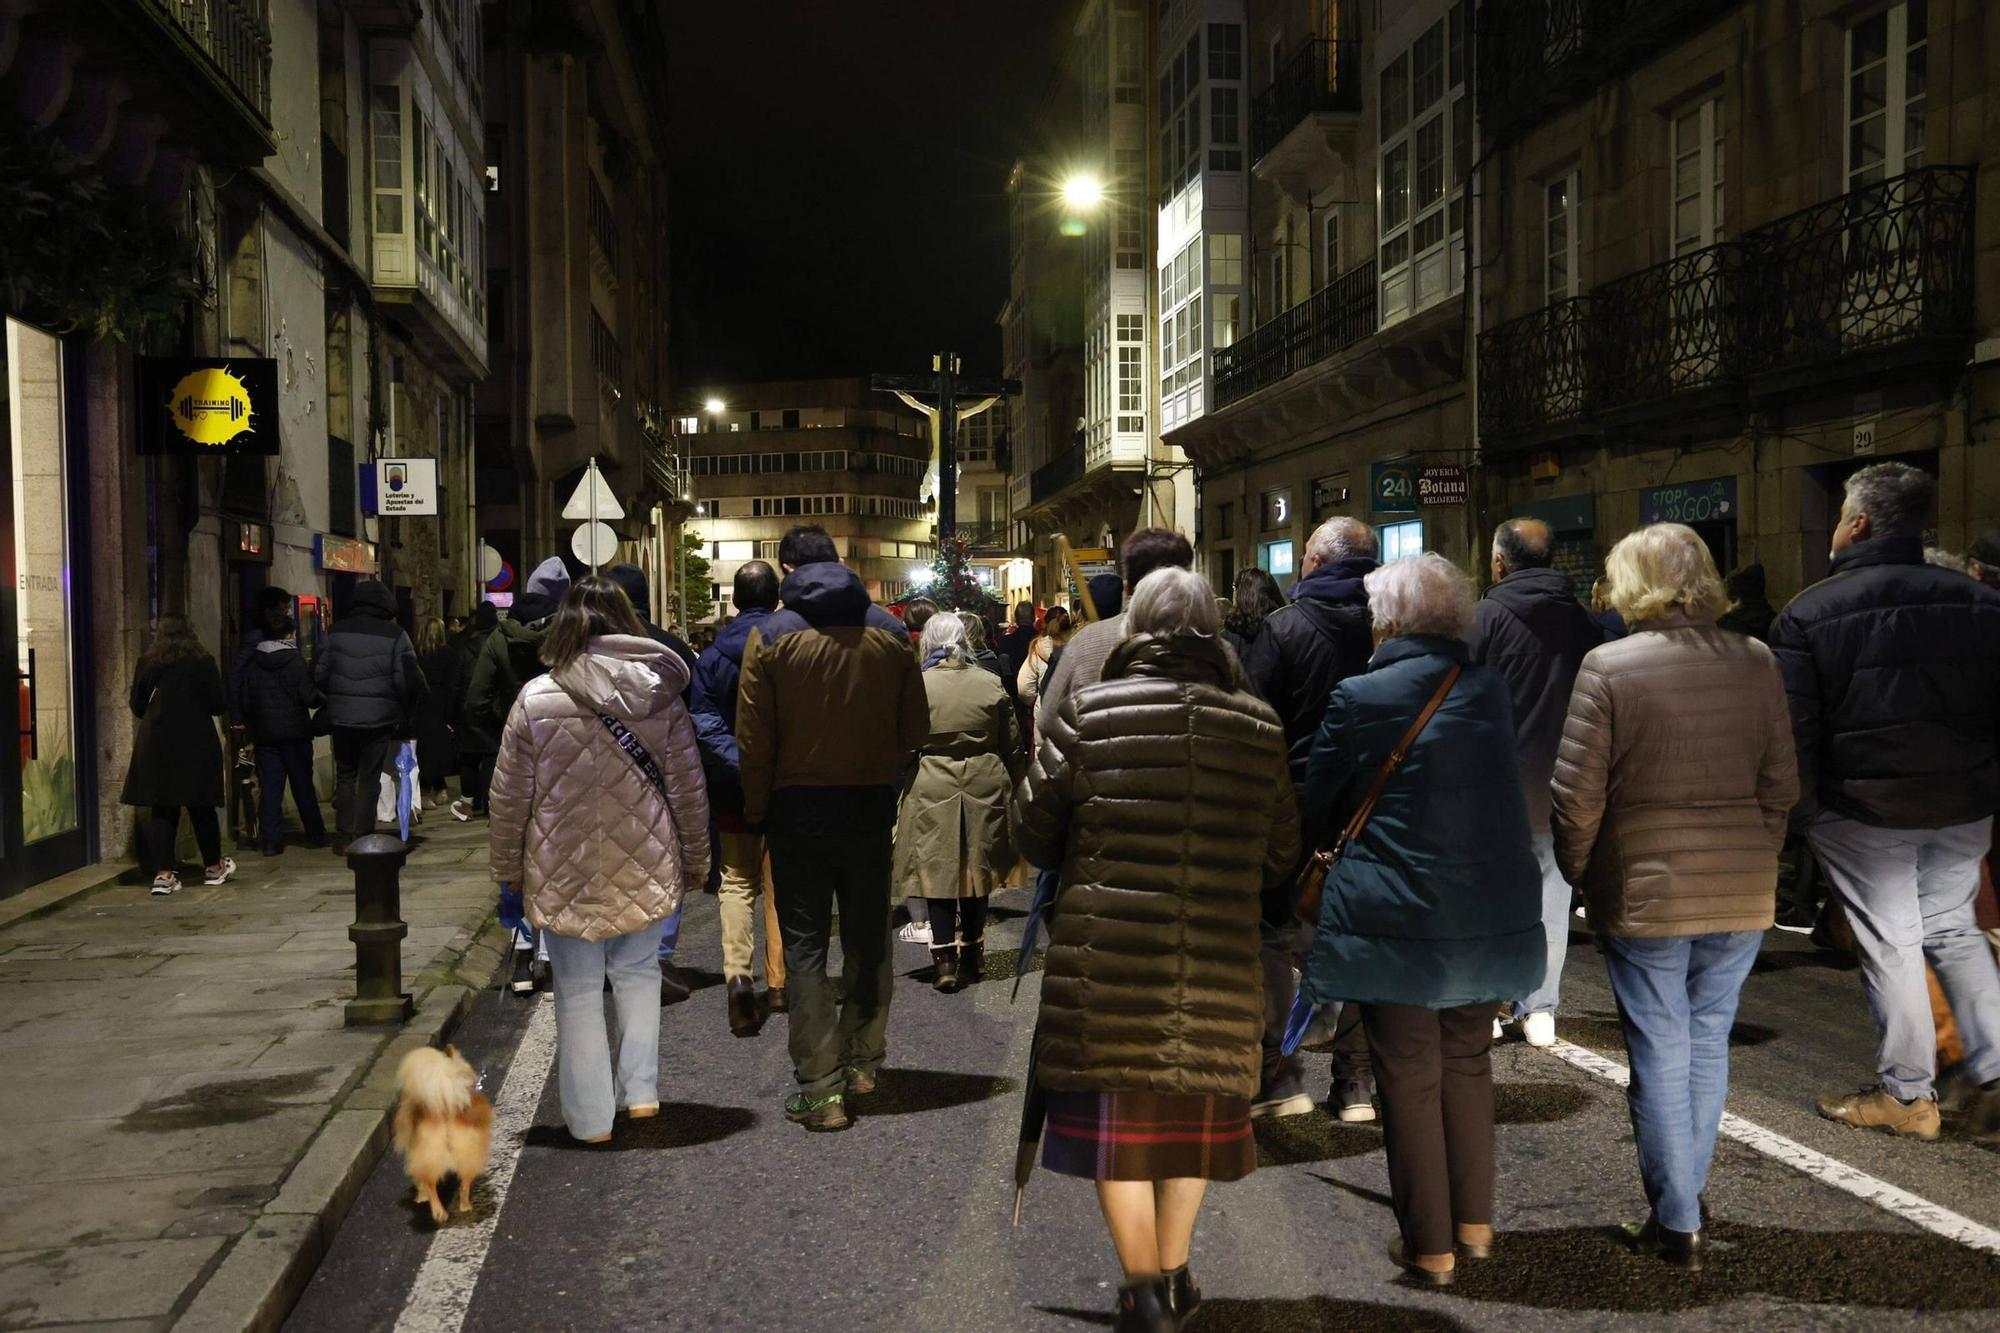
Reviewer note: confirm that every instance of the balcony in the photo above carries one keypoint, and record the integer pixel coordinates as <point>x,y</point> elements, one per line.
<point>603,235</point>
<point>1052,476</point>
<point>1322,76</point>
<point>1876,279</point>
<point>1538,56</point>
<point>1335,317</point>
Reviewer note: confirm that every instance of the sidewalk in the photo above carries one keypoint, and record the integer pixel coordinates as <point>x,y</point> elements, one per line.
<point>186,1117</point>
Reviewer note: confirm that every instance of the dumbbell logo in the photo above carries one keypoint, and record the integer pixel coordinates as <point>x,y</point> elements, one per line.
<point>211,407</point>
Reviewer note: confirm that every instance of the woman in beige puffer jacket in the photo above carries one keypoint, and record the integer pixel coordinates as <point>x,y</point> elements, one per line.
<point>599,813</point>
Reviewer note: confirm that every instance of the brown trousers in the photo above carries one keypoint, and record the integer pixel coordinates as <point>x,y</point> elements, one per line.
<point>1434,1069</point>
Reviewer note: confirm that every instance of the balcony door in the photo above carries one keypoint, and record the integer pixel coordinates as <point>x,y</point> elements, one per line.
<point>1699,304</point>
<point>1882,280</point>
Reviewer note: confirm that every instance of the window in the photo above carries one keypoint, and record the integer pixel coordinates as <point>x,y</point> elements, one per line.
<point>1561,277</point>
<point>1225,521</point>
<point>1401,539</point>
<point>1277,294</point>
<point>1225,52</point>
<point>1128,57</point>
<point>1329,246</point>
<point>1225,260</point>
<point>1887,87</point>
<point>1698,176</point>
<point>1275,559</point>
<point>1181,334</point>
<point>1180,119</point>
<point>387,127</point>
<point>1225,132</point>
<point>1426,125</point>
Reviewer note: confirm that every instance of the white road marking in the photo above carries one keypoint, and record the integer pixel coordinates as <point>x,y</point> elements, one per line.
<point>1914,1209</point>
<point>442,1291</point>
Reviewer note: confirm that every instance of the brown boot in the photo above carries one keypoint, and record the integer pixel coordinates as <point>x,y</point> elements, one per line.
<point>944,969</point>
<point>1875,1108</point>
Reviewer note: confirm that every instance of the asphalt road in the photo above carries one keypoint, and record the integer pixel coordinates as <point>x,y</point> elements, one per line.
<point>720,1215</point>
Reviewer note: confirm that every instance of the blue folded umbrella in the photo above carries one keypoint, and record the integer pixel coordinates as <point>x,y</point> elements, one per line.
<point>406,767</point>
<point>1045,901</point>
<point>1296,1024</point>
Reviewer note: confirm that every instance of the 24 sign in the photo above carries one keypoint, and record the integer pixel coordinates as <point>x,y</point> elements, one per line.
<point>1393,487</point>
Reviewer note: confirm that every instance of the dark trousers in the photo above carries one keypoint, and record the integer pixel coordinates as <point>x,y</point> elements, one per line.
<point>278,762</point>
<point>1435,1071</point>
<point>1350,1047</point>
<point>166,821</point>
<point>961,919</point>
<point>358,757</point>
<point>813,873</point>
<point>1278,950</point>
<point>475,774</point>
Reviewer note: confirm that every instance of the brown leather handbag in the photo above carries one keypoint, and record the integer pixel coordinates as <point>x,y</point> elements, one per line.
<point>1310,887</point>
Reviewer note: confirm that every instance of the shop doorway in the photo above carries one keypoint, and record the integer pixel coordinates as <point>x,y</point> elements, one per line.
<point>47,779</point>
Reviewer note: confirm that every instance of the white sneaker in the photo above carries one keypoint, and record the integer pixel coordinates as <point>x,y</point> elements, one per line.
<point>1539,1029</point>
<point>221,873</point>
<point>461,810</point>
<point>915,932</point>
<point>166,882</point>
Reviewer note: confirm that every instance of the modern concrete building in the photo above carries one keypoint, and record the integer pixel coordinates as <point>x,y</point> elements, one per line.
<point>832,452</point>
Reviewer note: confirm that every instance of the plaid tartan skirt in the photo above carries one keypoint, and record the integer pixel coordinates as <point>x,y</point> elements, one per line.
<point>1148,1136</point>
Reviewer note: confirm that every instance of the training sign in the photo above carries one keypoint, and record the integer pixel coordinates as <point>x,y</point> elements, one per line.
<point>208,405</point>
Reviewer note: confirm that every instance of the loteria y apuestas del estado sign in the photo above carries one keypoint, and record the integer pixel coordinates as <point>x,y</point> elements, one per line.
<point>208,406</point>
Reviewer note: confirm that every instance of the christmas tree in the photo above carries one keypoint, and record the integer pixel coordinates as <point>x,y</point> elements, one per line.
<point>955,584</point>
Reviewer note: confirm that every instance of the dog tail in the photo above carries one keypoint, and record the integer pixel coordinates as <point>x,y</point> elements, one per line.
<point>431,1080</point>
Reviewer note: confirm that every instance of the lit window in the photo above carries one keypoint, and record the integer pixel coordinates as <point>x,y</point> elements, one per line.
<point>1422,165</point>
<point>1399,540</point>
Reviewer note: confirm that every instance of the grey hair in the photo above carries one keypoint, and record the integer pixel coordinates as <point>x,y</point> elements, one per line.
<point>1895,496</point>
<point>1524,543</point>
<point>975,630</point>
<point>946,632</point>
<point>1341,538</point>
<point>1424,594</point>
<point>1172,600</point>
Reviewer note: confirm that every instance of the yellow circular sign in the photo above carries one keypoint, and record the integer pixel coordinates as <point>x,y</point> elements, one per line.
<point>210,407</point>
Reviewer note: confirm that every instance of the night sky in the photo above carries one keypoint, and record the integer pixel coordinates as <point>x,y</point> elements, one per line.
<point>839,169</point>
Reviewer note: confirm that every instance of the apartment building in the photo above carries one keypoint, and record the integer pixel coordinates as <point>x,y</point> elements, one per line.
<point>763,458</point>
<point>1735,252</point>
<point>1322,232</point>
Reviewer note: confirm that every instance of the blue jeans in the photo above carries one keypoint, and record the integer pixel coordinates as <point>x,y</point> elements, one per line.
<point>1555,924</point>
<point>670,933</point>
<point>277,763</point>
<point>591,1092</point>
<point>1908,895</point>
<point>1677,1001</point>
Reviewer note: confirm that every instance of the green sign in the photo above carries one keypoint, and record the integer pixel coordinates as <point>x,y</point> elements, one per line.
<point>1392,487</point>
<point>1690,502</point>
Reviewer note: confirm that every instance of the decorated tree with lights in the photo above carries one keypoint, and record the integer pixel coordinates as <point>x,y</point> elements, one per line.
<point>955,584</point>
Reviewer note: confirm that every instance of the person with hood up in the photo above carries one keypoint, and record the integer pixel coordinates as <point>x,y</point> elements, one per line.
<point>1533,631</point>
<point>746,868</point>
<point>831,707</point>
<point>373,686</point>
<point>1750,611</point>
<point>600,817</point>
<point>278,699</point>
<point>1305,650</point>
<point>478,741</point>
<point>271,606</point>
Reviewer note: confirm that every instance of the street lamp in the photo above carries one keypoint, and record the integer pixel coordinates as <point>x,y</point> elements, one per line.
<point>716,407</point>
<point>1082,192</point>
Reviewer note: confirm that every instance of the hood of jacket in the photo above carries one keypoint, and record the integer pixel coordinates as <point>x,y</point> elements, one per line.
<point>550,579</point>
<point>826,593</point>
<point>1542,598</point>
<point>275,654</point>
<point>372,599</point>
<point>624,675</point>
<point>1194,658</point>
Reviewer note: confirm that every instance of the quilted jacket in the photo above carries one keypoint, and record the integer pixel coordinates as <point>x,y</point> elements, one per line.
<point>1163,794</point>
<point>574,822</point>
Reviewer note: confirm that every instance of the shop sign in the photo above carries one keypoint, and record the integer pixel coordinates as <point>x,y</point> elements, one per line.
<point>395,487</point>
<point>1277,512</point>
<point>1443,485</point>
<point>342,555</point>
<point>1392,487</point>
<point>1690,502</point>
<point>208,406</point>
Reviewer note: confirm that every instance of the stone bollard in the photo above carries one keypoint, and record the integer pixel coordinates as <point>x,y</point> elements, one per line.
<point>378,931</point>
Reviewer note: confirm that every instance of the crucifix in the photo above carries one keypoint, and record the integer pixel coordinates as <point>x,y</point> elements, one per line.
<point>947,398</point>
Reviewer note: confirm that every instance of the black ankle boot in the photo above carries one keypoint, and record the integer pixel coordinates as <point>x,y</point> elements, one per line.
<point>944,968</point>
<point>1145,1306</point>
<point>972,962</point>
<point>1683,1249</point>
<point>1182,1292</point>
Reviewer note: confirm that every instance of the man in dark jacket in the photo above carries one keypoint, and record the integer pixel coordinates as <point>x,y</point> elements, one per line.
<point>1890,665</point>
<point>478,743</point>
<point>741,857</point>
<point>831,706</point>
<point>1306,649</point>
<point>271,608</point>
<point>373,686</point>
<point>278,697</point>
<point>1533,631</point>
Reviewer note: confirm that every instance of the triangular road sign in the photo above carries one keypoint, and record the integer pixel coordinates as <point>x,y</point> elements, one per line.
<point>578,509</point>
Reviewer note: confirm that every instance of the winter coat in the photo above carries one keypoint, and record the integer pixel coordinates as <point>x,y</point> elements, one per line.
<point>510,658</point>
<point>278,694</point>
<point>1891,668</point>
<point>951,828</point>
<point>830,705</point>
<point>1531,629</point>
<point>1163,795</point>
<point>1439,902</point>
<point>368,669</point>
<point>713,705</point>
<point>437,747</point>
<point>1674,782</point>
<point>473,737</point>
<point>1309,647</point>
<point>989,661</point>
<point>1013,644</point>
<point>176,755</point>
<point>1081,663</point>
<point>575,824</point>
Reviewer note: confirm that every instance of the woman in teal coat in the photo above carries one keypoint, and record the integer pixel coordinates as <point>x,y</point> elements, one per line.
<point>1434,914</point>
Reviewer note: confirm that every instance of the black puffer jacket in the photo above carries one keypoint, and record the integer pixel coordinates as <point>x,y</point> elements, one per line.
<point>368,670</point>
<point>1309,647</point>
<point>1163,794</point>
<point>1892,669</point>
<point>1533,631</point>
<point>278,694</point>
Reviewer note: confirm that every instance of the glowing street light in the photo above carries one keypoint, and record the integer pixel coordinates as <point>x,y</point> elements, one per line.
<point>1082,192</point>
<point>716,406</point>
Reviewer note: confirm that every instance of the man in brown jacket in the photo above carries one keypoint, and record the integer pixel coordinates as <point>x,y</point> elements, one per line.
<point>830,707</point>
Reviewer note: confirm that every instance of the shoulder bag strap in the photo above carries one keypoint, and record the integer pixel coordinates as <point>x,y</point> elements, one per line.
<point>1366,809</point>
<point>640,755</point>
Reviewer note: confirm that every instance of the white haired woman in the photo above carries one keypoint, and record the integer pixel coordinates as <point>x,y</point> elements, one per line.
<point>1163,795</point>
<point>1433,911</point>
<point>952,844</point>
<point>1672,788</point>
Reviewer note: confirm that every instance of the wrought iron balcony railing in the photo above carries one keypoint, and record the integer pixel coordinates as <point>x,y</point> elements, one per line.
<point>1055,474</point>
<point>1322,75</point>
<point>1336,316</point>
<point>236,37</point>
<point>1885,268</point>
<point>603,229</point>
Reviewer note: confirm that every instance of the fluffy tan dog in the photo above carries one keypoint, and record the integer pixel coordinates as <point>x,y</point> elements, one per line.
<point>444,1126</point>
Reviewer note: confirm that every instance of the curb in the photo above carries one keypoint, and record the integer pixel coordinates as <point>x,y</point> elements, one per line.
<point>261,1276</point>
